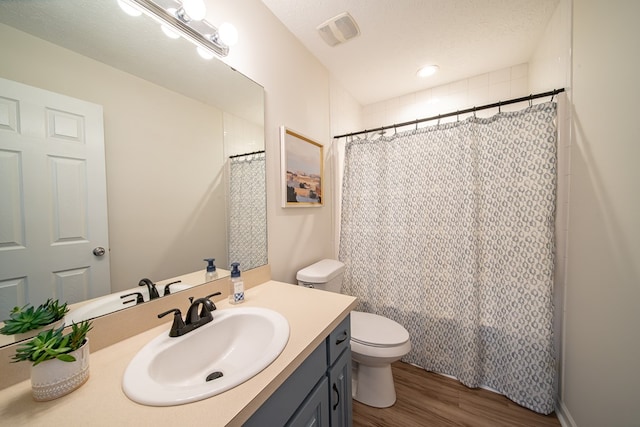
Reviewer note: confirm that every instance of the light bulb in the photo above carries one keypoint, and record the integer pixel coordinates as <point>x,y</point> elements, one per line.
<point>227,34</point>
<point>170,32</point>
<point>128,8</point>
<point>204,53</point>
<point>195,9</point>
<point>427,71</point>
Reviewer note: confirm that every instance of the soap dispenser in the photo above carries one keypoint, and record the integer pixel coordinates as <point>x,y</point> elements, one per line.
<point>211,273</point>
<point>236,292</point>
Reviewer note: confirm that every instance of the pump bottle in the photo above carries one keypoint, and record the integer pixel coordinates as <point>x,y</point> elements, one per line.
<point>211,273</point>
<point>236,291</point>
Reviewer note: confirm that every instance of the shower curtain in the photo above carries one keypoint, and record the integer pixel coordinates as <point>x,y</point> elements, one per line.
<point>247,211</point>
<point>449,230</point>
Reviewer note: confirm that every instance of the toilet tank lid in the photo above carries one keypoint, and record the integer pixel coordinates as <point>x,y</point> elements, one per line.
<point>321,271</point>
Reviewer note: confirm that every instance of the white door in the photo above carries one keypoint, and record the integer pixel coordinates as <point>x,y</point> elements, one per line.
<point>53,202</point>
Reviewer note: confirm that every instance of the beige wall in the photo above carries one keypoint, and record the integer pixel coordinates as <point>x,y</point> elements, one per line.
<point>602,343</point>
<point>159,146</point>
<point>296,95</point>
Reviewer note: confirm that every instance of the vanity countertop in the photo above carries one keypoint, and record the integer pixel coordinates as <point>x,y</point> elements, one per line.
<point>311,313</point>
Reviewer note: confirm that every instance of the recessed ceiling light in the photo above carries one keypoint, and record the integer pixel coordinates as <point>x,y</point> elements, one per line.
<point>427,71</point>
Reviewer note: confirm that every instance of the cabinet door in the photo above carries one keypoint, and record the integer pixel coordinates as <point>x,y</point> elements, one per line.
<point>291,395</point>
<point>340,391</point>
<point>314,412</point>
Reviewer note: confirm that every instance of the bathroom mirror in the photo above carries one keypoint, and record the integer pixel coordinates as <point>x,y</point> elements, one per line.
<point>172,120</point>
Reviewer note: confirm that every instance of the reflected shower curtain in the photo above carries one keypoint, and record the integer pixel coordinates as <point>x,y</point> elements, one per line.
<point>449,230</point>
<point>247,211</point>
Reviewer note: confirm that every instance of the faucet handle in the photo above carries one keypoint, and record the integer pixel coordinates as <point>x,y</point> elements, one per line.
<point>178,325</point>
<point>138,295</point>
<point>167,290</point>
<point>213,306</point>
<point>208,304</point>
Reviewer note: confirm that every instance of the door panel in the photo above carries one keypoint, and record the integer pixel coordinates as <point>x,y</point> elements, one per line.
<point>54,205</point>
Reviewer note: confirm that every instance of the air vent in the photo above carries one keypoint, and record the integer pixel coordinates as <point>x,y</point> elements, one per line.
<point>338,29</point>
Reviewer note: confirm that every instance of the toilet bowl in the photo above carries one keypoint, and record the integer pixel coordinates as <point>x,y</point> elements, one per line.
<point>376,341</point>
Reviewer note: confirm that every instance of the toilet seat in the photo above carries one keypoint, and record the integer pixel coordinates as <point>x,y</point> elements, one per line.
<point>376,331</point>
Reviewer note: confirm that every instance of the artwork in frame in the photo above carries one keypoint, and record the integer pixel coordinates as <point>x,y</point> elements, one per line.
<point>302,163</point>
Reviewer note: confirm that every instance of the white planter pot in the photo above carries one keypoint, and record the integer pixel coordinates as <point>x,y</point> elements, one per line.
<point>54,378</point>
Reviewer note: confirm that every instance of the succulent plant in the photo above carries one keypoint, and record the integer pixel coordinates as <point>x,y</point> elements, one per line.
<point>27,318</point>
<point>53,344</point>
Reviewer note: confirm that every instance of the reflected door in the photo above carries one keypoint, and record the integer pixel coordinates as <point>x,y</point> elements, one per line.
<point>53,210</point>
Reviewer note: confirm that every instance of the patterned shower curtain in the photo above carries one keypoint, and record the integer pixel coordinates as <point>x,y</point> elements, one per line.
<point>449,230</point>
<point>247,211</point>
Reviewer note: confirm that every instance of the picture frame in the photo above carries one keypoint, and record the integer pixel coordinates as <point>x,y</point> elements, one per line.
<point>302,170</point>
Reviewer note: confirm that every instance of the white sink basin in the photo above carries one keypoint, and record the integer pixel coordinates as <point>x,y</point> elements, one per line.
<point>112,302</point>
<point>239,343</point>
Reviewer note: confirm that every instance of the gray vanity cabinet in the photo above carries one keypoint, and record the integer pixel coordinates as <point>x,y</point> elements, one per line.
<point>340,390</point>
<point>318,393</point>
<point>339,374</point>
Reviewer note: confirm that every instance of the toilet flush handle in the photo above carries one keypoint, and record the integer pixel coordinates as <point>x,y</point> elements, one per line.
<point>343,338</point>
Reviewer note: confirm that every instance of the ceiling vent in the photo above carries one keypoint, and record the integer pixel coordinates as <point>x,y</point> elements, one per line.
<point>338,29</point>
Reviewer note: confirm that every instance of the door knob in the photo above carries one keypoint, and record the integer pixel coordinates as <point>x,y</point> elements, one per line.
<point>99,251</point>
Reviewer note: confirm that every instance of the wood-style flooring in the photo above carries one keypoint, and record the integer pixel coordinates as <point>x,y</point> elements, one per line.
<point>428,399</point>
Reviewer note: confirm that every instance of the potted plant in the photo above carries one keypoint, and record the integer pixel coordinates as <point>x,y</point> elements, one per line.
<point>27,321</point>
<point>60,361</point>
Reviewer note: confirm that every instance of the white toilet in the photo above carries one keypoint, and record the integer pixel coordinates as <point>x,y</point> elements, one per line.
<point>376,341</point>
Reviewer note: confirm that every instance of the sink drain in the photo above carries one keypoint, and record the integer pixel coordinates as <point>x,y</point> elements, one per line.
<point>214,376</point>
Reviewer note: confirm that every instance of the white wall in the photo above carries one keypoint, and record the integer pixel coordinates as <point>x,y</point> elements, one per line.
<point>502,84</point>
<point>602,342</point>
<point>346,116</point>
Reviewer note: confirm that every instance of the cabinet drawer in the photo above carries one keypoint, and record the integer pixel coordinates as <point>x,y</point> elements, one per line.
<point>338,340</point>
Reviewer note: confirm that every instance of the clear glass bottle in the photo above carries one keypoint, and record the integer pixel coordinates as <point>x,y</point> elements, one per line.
<point>211,273</point>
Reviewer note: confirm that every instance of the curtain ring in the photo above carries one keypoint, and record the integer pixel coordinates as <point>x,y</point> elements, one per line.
<point>499,107</point>
<point>438,119</point>
<point>552,95</point>
<point>416,124</point>
<point>531,100</point>
<point>474,112</point>
<point>457,115</point>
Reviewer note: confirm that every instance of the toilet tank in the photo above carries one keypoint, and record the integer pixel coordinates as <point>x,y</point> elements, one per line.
<point>326,275</point>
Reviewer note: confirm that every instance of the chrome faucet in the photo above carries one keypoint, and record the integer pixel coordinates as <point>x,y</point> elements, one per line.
<point>153,292</point>
<point>198,314</point>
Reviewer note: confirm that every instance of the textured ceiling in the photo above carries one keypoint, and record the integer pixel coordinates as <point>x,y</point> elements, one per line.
<point>464,37</point>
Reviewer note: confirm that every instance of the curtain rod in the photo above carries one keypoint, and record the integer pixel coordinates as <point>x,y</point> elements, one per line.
<point>457,113</point>
<point>246,154</point>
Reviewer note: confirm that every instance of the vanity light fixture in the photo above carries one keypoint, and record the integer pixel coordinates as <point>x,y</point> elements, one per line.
<point>428,70</point>
<point>186,18</point>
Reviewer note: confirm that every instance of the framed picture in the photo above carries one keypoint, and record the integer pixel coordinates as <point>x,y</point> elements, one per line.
<point>302,165</point>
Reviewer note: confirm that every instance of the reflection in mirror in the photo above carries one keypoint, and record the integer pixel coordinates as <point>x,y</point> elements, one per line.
<point>169,123</point>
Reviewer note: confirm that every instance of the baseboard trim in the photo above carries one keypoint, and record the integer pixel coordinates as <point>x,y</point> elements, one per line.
<point>564,416</point>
